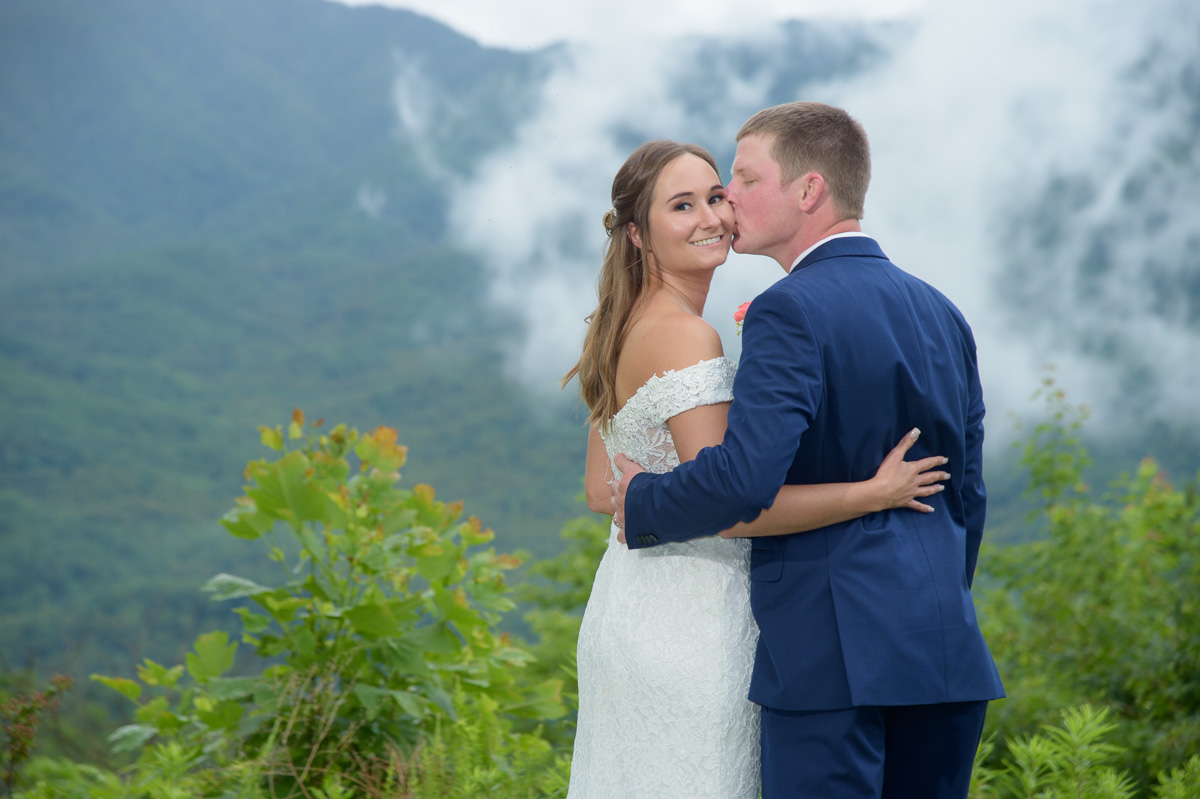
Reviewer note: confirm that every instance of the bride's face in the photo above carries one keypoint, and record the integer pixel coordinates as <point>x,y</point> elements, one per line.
<point>691,224</point>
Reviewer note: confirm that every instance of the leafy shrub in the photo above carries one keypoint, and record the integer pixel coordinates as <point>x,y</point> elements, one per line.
<point>381,671</point>
<point>385,612</point>
<point>20,716</point>
<point>1105,609</point>
<point>1069,760</point>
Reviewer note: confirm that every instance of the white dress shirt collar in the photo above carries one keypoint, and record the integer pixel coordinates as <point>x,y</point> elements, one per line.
<point>804,254</point>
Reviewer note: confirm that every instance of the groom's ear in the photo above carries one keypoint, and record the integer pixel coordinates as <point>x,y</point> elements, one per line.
<point>808,190</point>
<point>634,234</point>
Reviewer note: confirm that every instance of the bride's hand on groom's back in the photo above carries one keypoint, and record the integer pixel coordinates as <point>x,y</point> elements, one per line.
<point>901,484</point>
<point>628,469</point>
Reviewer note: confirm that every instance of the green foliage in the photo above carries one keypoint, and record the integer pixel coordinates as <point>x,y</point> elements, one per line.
<point>1074,759</point>
<point>473,756</point>
<point>19,719</point>
<point>1104,609</point>
<point>1180,783</point>
<point>385,675</point>
<point>383,626</point>
<point>1053,453</point>
<point>1068,760</point>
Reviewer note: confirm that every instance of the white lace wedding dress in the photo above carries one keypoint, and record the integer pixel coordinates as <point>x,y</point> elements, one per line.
<point>667,641</point>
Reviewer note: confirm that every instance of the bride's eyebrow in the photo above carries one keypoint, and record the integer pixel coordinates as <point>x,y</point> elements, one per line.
<point>682,194</point>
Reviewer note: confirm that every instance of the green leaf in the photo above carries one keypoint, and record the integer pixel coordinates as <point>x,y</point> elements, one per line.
<point>434,639</point>
<point>284,490</point>
<point>225,688</point>
<point>305,499</point>
<point>457,609</point>
<point>303,643</point>
<point>313,586</point>
<point>398,517</point>
<point>408,656</point>
<point>312,543</point>
<point>224,715</point>
<point>270,437</point>
<point>409,702</point>
<point>281,605</point>
<point>542,701</point>
<point>247,523</point>
<point>435,562</point>
<point>153,674</point>
<point>371,698</point>
<point>473,532</point>
<point>131,737</point>
<point>213,656</point>
<point>253,623</point>
<point>374,698</point>
<point>373,620</point>
<point>379,449</point>
<point>157,713</point>
<point>229,586</point>
<point>127,688</point>
<point>272,645</point>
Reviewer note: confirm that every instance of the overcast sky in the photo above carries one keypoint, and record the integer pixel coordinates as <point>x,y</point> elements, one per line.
<point>521,24</point>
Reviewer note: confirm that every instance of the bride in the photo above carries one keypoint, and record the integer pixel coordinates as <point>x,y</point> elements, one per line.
<point>667,641</point>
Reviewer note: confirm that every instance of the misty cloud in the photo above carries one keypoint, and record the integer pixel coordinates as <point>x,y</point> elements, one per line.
<point>1031,160</point>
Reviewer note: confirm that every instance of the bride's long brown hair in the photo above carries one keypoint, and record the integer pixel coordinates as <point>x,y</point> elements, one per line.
<point>624,275</point>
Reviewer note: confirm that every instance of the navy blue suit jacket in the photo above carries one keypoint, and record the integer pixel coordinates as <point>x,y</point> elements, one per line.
<point>839,360</point>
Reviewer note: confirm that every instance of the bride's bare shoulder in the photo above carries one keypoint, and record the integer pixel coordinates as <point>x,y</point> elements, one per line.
<point>662,342</point>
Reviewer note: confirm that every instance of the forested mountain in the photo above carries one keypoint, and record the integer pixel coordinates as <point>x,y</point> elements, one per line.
<point>213,212</point>
<point>188,249</point>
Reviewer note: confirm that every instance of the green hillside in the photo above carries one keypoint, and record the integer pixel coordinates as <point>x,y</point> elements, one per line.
<point>182,259</point>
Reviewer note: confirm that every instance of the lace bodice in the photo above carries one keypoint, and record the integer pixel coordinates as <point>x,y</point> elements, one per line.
<point>639,430</point>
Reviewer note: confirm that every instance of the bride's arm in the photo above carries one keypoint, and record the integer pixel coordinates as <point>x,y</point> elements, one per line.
<point>597,474</point>
<point>897,483</point>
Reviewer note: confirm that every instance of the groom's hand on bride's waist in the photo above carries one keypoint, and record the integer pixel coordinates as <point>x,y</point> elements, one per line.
<point>628,469</point>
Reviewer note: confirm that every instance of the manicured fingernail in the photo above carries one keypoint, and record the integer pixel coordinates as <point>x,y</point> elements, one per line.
<point>945,461</point>
<point>941,488</point>
<point>916,431</point>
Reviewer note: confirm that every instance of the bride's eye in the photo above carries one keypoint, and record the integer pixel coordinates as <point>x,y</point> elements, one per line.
<point>716,199</point>
<point>683,206</point>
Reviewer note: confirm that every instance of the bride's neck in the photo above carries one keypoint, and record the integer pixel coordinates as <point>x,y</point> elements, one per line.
<point>689,292</point>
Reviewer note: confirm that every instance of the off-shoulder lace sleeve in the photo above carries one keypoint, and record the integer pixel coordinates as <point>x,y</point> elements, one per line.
<point>679,390</point>
<point>639,429</point>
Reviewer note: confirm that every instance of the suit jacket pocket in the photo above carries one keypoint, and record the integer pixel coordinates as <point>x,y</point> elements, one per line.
<point>766,565</point>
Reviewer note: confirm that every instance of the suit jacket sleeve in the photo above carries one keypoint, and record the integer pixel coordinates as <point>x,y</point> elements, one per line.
<point>973,493</point>
<point>776,394</point>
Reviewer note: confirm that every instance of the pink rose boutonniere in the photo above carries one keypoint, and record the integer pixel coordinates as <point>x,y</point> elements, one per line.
<point>740,315</point>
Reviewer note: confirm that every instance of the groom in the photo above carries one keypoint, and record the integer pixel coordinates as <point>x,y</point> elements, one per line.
<point>871,671</point>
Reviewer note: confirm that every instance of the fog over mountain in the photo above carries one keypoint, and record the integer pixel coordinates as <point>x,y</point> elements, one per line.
<point>1036,161</point>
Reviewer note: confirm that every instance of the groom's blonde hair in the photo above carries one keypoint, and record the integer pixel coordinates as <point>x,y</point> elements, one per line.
<point>814,137</point>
